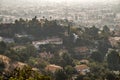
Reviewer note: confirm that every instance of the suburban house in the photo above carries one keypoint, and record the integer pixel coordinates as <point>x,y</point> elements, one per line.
<point>19,65</point>
<point>24,36</point>
<point>56,41</point>
<point>37,44</point>
<point>52,68</point>
<point>114,41</point>
<point>7,40</point>
<point>83,51</point>
<point>18,48</point>
<point>82,69</point>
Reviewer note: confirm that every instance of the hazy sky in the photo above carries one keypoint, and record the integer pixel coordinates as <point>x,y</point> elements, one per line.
<point>4,2</point>
<point>66,0</point>
<point>84,0</point>
<point>78,0</point>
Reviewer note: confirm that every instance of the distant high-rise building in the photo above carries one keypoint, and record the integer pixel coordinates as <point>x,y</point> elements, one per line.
<point>76,17</point>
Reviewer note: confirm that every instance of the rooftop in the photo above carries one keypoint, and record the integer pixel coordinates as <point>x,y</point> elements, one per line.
<point>53,68</point>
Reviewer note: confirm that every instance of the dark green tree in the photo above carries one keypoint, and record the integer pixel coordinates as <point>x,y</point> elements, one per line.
<point>91,33</point>
<point>105,33</point>
<point>66,59</point>
<point>97,56</point>
<point>70,71</point>
<point>113,60</point>
<point>2,66</point>
<point>60,75</point>
<point>103,46</point>
<point>110,76</point>
<point>80,77</point>
<point>24,74</point>
<point>3,47</point>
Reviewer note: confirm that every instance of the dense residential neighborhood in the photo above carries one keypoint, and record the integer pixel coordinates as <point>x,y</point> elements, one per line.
<point>83,15</point>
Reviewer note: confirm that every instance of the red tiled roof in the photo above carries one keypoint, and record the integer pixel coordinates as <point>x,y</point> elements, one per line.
<point>81,49</point>
<point>53,68</point>
<point>81,67</point>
